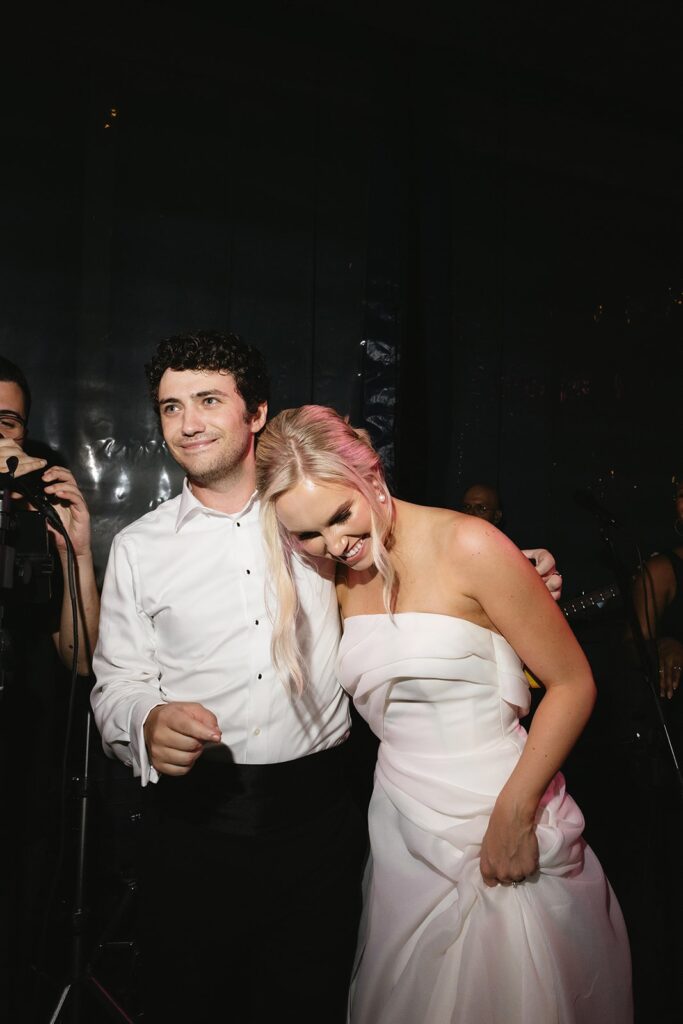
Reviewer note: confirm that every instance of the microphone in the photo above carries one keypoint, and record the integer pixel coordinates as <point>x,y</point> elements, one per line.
<point>586,499</point>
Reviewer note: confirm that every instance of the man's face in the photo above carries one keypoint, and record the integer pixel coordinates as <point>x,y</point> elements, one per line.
<point>483,502</point>
<point>678,499</point>
<point>205,424</point>
<point>12,412</point>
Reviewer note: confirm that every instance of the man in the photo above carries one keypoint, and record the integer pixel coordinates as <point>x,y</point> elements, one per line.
<point>250,881</point>
<point>37,634</point>
<point>483,500</point>
<point>58,482</point>
<point>250,885</point>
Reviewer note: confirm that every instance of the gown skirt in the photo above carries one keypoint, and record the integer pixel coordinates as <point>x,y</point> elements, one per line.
<point>436,945</point>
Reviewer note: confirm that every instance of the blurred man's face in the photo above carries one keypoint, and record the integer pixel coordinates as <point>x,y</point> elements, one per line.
<point>482,501</point>
<point>678,499</point>
<point>12,412</point>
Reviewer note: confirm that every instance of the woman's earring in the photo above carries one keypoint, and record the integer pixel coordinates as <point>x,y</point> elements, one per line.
<point>382,497</point>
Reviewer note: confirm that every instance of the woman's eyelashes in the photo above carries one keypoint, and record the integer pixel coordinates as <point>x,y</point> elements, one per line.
<point>337,519</point>
<point>341,516</point>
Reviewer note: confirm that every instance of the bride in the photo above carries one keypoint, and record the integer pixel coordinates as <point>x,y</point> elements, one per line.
<point>483,903</point>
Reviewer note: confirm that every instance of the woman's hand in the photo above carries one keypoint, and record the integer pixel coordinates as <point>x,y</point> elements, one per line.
<point>670,653</point>
<point>509,850</point>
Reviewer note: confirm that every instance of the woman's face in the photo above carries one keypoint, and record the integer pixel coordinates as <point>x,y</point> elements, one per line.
<point>328,521</point>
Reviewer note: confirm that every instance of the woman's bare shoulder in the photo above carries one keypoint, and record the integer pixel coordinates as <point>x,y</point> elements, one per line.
<point>448,537</point>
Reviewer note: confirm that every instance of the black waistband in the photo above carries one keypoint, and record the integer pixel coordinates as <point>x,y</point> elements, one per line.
<point>242,798</point>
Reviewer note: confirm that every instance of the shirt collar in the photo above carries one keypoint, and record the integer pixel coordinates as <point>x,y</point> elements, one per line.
<point>190,507</point>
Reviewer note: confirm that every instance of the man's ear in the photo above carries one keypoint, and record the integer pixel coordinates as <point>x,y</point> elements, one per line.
<point>497,517</point>
<point>258,420</point>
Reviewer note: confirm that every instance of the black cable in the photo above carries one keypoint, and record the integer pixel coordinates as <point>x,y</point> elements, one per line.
<point>61,838</point>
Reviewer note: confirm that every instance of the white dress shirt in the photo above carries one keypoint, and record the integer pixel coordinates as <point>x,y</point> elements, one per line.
<point>184,618</point>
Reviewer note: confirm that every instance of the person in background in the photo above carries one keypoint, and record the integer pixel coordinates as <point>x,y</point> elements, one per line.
<point>483,500</point>
<point>652,673</point>
<point>38,646</point>
<point>657,594</point>
<point>59,484</point>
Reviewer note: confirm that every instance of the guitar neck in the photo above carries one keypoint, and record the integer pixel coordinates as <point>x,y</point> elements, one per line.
<point>590,604</point>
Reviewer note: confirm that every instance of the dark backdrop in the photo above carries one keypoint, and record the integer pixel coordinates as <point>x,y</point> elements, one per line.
<point>461,226</point>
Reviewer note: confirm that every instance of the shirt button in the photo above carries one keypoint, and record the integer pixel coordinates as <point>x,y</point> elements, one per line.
<point>257,731</point>
<point>259,676</point>
<point>248,572</point>
<point>237,524</point>
<point>256,622</point>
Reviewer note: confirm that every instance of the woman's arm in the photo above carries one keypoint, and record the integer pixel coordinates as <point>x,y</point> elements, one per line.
<point>652,591</point>
<point>517,603</point>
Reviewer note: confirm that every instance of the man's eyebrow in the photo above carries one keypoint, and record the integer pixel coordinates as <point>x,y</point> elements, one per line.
<point>344,507</point>
<point>13,412</point>
<point>209,391</point>
<point>196,394</point>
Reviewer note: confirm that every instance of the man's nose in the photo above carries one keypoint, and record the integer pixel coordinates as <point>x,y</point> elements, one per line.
<point>193,421</point>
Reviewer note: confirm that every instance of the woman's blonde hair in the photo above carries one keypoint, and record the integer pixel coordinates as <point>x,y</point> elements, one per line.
<point>315,443</point>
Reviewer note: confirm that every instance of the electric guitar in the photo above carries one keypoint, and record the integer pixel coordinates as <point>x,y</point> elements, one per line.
<point>588,605</point>
<point>585,606</point>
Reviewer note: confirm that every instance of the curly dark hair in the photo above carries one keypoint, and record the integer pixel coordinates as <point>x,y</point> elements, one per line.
<point>11,374</point>
<point>211,350</point>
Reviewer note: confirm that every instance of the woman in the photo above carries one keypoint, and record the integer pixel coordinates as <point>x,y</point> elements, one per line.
<point>485,905</point>
<point>657,594</point>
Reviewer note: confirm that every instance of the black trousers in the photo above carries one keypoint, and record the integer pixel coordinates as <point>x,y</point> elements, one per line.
<point>250,893</point>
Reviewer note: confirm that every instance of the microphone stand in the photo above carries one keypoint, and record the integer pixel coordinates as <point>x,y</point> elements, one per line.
<point>81,978</point>
<point>646,653</point>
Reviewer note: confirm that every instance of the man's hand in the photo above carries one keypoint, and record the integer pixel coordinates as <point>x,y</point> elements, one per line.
<point>175,735</point>
<point>546,569</point>
<point>71,508</point>
<point>26,464</point>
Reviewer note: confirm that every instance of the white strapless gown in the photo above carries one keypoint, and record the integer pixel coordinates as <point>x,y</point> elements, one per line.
<point>437,946</point>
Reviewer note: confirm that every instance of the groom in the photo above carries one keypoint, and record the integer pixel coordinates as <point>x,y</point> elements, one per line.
<point>252,844</point>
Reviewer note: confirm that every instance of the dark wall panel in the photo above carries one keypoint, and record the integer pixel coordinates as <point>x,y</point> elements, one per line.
<point>175,190</point>
<point>471,247</point>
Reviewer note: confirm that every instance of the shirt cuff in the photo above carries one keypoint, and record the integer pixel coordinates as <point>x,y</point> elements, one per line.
<point>138,747</point>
